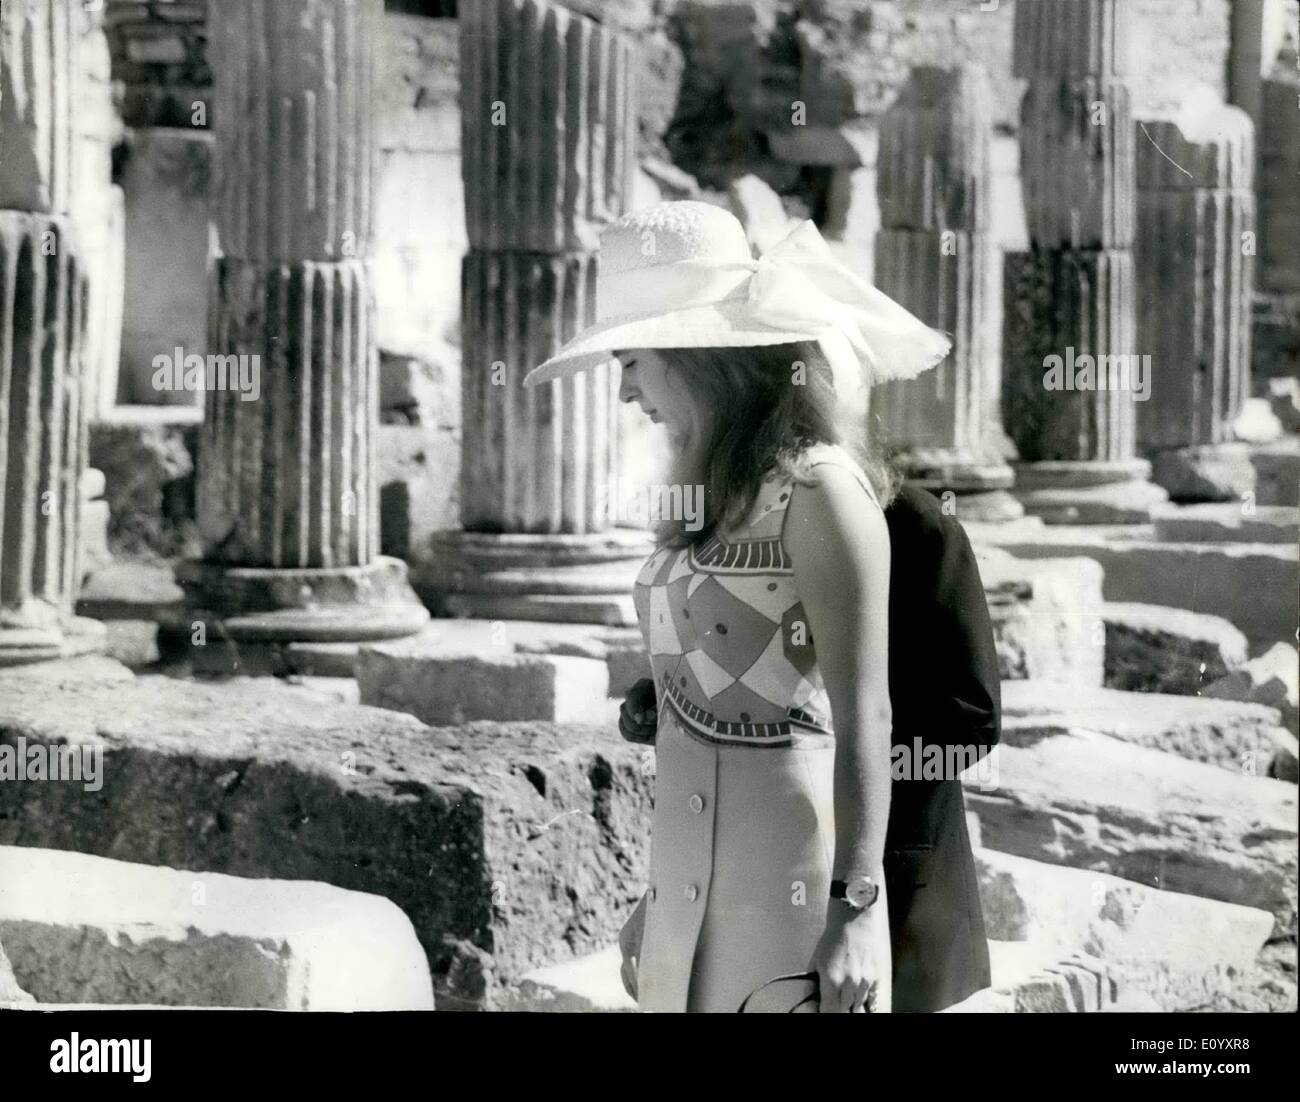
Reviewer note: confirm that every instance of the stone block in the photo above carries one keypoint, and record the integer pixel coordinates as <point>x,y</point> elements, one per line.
<point>1286,751</point>
<point>1174,946</point>
<point>416,88</point>
<point>94,551</point>
<point>1227,523</point>
<point>849,146</point>
<point>166,181</point>
<point>450,688</point>
<point>419,241</point>
<point>149,485</point>
<point>1082,798</point>
<point>84,929</point>
<point>132,591</point>
<point>1154,649</point>
<point>1277,473</point>
<point>415,390</point>
<point>418,493</point>
<point>1256,423</point>
<point>1219,472</point>
<point>134,643</point>
<point>509,846</point>
<point>1284,401</point>
<point>10,993</point>
<point>1046,993</point>
<point>1235,735</point>
<point>1272,679</point>
<point>1045,616</point>
<point>1223,579</point>
<point>103,235</point>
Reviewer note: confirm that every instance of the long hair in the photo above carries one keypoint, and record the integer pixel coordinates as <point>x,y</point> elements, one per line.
<point>762,406</point>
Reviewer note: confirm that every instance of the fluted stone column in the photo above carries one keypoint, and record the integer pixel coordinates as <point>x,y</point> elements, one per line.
<point>933,256</point>
<point>39,56</point>
<point>1195,266</point>
<point>547,151</point>
<point>287,498</point>
<point>1068,402</point>
<point>42,327</point>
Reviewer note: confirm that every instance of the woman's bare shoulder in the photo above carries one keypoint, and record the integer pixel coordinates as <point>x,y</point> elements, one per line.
<point>834,522</point>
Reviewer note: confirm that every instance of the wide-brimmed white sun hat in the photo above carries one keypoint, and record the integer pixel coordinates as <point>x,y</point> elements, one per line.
<point>681,275</point>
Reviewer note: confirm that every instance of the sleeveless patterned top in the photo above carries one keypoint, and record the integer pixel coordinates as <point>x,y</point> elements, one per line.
<point>729,643</point>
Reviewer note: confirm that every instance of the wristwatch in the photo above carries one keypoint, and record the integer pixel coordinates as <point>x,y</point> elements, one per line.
<point>860,892</point>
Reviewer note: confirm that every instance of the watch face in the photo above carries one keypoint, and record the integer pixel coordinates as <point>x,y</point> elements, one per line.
<point>860,892</point>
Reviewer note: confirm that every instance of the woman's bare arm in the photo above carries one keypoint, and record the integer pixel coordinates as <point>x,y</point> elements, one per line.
<point>839,543</point>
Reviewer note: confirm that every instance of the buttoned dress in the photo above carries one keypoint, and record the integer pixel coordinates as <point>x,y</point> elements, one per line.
<point>744,836</point>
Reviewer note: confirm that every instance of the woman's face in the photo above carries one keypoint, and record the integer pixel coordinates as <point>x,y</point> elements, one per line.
<point>647,381</point>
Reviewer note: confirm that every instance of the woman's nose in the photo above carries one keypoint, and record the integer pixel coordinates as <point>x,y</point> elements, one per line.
<point>627,391</point>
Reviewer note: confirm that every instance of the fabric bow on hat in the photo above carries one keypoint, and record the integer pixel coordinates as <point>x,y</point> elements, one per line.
<point>700,287</point>
<point>798,284</point>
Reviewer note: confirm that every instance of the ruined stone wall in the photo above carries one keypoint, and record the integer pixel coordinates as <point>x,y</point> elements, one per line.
<point>159,51</point>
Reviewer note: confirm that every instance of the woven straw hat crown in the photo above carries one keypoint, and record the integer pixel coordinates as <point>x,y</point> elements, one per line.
<point>670,232</point>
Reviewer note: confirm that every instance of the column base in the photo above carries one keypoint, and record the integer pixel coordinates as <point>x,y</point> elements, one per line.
<point>1088,491</point>
<point>48,638</point>
<point>585,579</point>
<point>1205,472</point>
<point>276,620</point>
<point>980,485</point>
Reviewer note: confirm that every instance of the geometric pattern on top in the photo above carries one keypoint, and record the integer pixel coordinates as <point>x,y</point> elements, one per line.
<point>728,639</point>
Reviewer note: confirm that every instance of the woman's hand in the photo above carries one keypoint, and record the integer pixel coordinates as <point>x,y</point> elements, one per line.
<point>852,960</point>
<point>638,718</point>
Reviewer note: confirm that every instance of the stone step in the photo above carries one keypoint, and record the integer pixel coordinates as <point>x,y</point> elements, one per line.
<point>1221,579</point>
<point>1157,649</point>
<point>1272,679</point>
<point>133,591</point>
<point>1078,797</point>
<point>1181,950</point>
<point>1227,522</point>
<point>441,685</point>
<point>83,929</point>
<point>1277,472</point>
<point>1045,615</point>
<point>474,832</point>
<point>1238,736</point>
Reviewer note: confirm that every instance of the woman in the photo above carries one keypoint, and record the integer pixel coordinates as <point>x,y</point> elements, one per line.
<point>767,626</point>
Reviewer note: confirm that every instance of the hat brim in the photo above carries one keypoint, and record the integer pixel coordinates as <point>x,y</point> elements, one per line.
<point>717,325</point>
